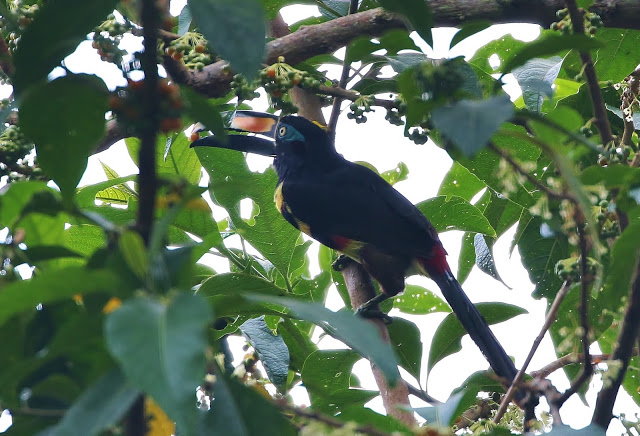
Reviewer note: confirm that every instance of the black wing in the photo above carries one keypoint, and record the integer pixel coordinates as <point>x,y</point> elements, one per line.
<point>354,202</point>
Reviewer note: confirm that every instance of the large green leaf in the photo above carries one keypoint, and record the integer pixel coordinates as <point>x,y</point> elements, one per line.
<point>54,285</point>
<point>235,29</point>
<point>238,410</point>
<point>56,30</point>
<point>536,78</point>
<point>160,348</point>
<point>446,339</point>
<point>224,291</point>
<point>405,338</point>
<point>99,407</point>
<point>417,12</point>
<point>360,335</point>
<point>417,300</point>
<point>271,349</point>
<point>617,58</point>
<point>460,182</point>
<point>231,181</point>
<point>173,155</point>
<point>541,248</point>
<point>549,44</point>
<point>469,124</point>
<point>455,214</point>
<point>14,197</point>
<point>65,119</point>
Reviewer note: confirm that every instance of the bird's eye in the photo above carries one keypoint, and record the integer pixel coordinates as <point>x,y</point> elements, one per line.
<point>282,131</point>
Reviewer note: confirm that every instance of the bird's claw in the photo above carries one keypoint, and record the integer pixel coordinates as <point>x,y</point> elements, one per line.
<point>371,313</point>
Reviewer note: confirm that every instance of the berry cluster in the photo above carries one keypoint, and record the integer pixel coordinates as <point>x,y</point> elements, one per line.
<point>19,16</point>
<point>127,105</point>
<point>243,89</point>
<point>439,82</point>
<point>607,220</point>
<point>279,78</point>
<point>14,148</point>
<point>191,49</point>
<point>569,269</point>
<point>394,115</point>
<point>107,37</point>
<point>361,105</point>
<point>618,155</point>
<point>419,134</point>
<point>592,22</point>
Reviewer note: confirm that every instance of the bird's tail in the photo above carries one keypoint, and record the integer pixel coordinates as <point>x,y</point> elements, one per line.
<point>475,325</point>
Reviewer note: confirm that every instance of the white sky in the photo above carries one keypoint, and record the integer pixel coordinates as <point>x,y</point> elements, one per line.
<point>383,145</point>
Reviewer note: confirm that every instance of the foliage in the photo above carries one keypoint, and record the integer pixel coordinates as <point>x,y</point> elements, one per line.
<point>95,317</point>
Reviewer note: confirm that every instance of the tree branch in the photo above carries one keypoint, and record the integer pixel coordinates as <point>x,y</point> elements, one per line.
<point>628,336</point>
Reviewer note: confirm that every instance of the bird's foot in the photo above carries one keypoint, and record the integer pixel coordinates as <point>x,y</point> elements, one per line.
<point>370,309</point>
<point>341,262</point>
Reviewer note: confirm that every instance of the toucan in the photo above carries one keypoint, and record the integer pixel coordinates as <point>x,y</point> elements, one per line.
<point>351,209</point>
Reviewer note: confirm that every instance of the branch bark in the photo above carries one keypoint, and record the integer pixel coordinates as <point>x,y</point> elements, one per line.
<point>628,336</point>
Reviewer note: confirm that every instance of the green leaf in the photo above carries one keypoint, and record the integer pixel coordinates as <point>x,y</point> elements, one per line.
<point>184,20</point>
<point>202,110</point>
<point>134,253</point>
<point>623,263</point>
<point>616,59</point>
<point>174,156</point>
<point>417,12</point>
<point>417,300</point>
<point>360,335</point>
<point>484,258</point>
<point>403,61</point>
<point>238,410</point>
<point>469,29</point>
<point>469,124</point>
<point>54,285</point>
<point>224,291</point>
<point>100,406</point>
<point>327,372</point>
<point>446,339</point>
<point>398,174</point>
<point>405,338</point>
<point>86,196</point>
<point>541,248</point>
<point>53,41</point>
<point>455,214</point>
<point>235,29</point>
<point>231,181</point>
<point>271,349</point>
<point>15,196</point>
<point>443,415</point>
<point>298,342</point>
<point>536,78</point>
<point>460,182</point>
<point>65,119</point>
<point>161,350</point>
<point>547,45</point>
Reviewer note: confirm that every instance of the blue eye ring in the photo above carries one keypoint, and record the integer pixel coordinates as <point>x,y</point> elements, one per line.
<point>282,130</point>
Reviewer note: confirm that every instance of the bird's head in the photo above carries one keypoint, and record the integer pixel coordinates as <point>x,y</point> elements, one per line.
<point>295,142</point>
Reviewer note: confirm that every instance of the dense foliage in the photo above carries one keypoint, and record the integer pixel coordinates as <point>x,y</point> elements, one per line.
<point>109,324</point>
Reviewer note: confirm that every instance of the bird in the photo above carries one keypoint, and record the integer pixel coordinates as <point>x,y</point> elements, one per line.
<point>351,209</point>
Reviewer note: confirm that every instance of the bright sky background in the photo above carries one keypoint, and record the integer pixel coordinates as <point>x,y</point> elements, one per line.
<point>383,145</point>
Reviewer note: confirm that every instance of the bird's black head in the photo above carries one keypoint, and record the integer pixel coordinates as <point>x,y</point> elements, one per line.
<point>302,145</point>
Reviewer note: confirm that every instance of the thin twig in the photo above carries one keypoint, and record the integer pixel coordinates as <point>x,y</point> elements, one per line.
<point>599,109</point>
<point>316,416</point>
<point>550,319</point>
<point>585,279</point>
<point>537,183</point>
<point>565,360</point>
<point>344,76</point>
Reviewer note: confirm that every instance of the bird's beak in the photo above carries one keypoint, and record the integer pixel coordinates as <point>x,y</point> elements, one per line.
<point>246,122</point>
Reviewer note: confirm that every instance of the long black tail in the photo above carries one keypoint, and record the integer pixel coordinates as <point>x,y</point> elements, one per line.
<point>475,325</point>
